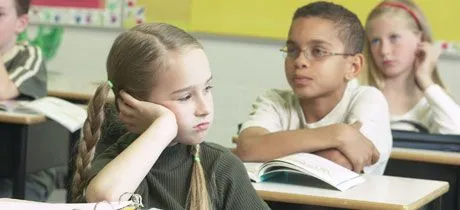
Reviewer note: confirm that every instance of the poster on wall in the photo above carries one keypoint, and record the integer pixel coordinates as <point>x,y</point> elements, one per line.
<point>89,13</point>
<point>95,4</point>
<point>176,12</point>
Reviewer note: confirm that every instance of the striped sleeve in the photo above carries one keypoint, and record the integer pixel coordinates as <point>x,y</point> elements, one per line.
<point>28,72</point>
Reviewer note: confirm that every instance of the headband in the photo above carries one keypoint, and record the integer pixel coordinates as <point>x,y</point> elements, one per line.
<point>404,7</point>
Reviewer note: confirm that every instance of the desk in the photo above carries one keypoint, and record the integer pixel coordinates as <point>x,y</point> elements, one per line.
<point>71,87</point>
<point>427,156</point>
<point>378,192</point>
<point>429,164</point>
<point>27,148</point>
<point>75,97</point>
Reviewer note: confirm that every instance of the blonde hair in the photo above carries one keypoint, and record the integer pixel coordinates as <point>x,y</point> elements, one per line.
<point>417,23</point>
<point>135,59</point>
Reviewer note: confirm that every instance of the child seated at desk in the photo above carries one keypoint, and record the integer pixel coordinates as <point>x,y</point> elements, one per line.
<point>22,70</point>
<point>161,80</point>
<point>23,76</point>
<point>323,111</point>
<point>402,64</point>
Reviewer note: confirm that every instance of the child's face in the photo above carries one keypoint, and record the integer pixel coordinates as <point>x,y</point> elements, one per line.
<point>10,24</point>
<point>318,75</point>
<point>393,45</point>
<point>184,88</point>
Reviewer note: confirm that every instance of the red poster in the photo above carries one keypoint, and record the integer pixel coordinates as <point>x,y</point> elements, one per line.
<point>96,4</point>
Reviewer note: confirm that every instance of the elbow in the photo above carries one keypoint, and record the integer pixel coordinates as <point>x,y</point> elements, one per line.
<point>244,150</point>
<point>8,92</point>
<point>96,193</point>
<point>4,95</point>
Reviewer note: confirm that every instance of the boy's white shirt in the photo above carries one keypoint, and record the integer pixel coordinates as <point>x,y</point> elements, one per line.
<point>279,110</point>
<point>437,111</point>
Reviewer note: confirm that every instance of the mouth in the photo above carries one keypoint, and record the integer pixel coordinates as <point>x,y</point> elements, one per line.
<point>301,80</point>
<point>388,62</point>
<point>201,127</point>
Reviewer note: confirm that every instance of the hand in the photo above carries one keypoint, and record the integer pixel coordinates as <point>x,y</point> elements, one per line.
<point>140,115</point>
<point>359,150</point>
<point>426,57</point>
<point>335,156</point>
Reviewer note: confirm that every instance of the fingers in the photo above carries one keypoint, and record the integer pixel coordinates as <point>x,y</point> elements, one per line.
<point>358,166</point>
<point>336,156</point>
<point>128,99</point>
<point>346,164</point>
<point>343,161</point>
<point>125,109</point>
<point>356,125</point>
<point>375,155</point>
<point>426,48</point>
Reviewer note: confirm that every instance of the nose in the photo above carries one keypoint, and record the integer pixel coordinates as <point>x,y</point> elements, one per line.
<point>301,62</point>
<point>385,48</point>
<point>203,105</point>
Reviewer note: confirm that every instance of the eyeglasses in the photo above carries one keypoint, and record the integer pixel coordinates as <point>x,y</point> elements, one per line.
<point>314,54</point>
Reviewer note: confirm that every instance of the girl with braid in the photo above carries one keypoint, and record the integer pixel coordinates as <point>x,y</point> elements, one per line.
<point>161,80</point>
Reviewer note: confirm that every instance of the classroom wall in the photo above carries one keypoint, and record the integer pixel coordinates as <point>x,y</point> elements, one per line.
<point>242,68</point>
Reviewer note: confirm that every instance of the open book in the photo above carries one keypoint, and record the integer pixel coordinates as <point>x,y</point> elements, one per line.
<point>67,114</point>
<point>311,168</point>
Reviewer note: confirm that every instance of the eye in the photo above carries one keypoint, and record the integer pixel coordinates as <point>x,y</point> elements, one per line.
<point>375,41</point>
<point>292,52</point>
<point>185,98</point>
<point>318,52</point>
<point>394,37</point>
<point>208,88</point>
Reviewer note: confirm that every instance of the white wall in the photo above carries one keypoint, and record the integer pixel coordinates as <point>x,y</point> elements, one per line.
<point>449,70</point>
<point>242,69</point>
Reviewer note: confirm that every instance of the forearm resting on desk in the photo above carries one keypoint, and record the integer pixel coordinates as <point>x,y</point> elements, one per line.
<point>126,172</point>
<point>8,89</point>
<point>257,144</point>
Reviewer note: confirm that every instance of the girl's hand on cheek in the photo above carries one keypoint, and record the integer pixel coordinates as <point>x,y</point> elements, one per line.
<point>138,115</point>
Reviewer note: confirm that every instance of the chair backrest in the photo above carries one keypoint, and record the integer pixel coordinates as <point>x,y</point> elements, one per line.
<point>441,142</point>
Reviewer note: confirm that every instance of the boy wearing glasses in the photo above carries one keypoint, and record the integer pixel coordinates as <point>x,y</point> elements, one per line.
<point>326,112</point>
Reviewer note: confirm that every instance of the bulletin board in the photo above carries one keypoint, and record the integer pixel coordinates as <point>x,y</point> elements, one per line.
<point>176,12</point>
<point>91,13</point>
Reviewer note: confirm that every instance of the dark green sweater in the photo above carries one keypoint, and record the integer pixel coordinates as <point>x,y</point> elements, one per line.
<point>167,183</point>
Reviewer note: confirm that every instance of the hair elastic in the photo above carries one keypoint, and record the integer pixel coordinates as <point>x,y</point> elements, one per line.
<point>404,7</point>
<point>110,84</point>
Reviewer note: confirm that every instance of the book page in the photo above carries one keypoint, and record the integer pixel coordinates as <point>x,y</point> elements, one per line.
<point>13,106</point>
<point>253,170</point>
<point>67,114</point>
<point>316,166</point>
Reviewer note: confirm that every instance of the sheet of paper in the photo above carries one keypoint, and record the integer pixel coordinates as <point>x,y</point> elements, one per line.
<point>69,115</point>
<point>14,204</point>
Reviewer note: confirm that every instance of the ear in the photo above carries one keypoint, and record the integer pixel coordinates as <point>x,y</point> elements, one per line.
<point>357,62</point>
<point>22,23</point>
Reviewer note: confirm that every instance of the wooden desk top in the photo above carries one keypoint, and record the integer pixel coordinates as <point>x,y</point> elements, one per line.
<point>428,156</point>
<point>71,86</point>
<point>378,192</point>
<point>69,95</point>
<point>20,118</point>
